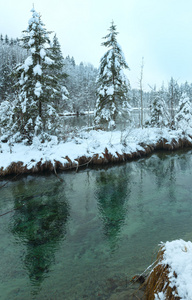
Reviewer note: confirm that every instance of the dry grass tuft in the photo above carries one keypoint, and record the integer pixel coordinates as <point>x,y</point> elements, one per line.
<point>158,281</point>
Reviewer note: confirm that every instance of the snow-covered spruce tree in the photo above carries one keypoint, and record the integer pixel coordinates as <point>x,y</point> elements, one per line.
<point>183,118</point>
<point>173,97</point>
<point>112,84</point>
<point>6,119</point>
<point>186,88</point>
<point>60,96</point>
<point>34,113</point>
<point>158,109</point>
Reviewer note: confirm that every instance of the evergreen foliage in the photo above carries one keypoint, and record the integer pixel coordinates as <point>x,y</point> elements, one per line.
<point>37,83</point>
<point>81,85</point>
<point>158,109</point>
<point>6,119</point>
<point>184,112</point>
<point>10,55</point>
<point>173,97</point>
<point>34,112</point>
<point>113,85</point>
<point>60,96</point>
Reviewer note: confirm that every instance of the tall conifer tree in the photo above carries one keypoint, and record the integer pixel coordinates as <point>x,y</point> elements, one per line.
<point>58,75</point>
<point>34,111</point>
<point>158,109</point>
<point>183,116</point>
<point>112,84</point>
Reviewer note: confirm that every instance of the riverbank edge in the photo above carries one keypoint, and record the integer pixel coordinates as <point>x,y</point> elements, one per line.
<point>18,168</point>
<point>170,277</point>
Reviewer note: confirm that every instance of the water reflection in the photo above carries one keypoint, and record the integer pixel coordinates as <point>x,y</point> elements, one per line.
<point>163,169</point>
<point>39,222</point>
<point>118,216</point>
<point>112,191</point>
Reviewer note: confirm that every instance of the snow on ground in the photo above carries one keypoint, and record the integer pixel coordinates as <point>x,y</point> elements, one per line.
<point>178,255</point>
<point>85,143</point>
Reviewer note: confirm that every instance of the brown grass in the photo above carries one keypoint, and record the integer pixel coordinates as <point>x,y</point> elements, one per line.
<point>106,157</point>
<point>158,281</point>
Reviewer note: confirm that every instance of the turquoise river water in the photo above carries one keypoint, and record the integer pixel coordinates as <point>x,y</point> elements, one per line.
<point>87,236</point>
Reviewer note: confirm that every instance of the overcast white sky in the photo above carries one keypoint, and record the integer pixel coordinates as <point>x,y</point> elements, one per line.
<point>158,30</point>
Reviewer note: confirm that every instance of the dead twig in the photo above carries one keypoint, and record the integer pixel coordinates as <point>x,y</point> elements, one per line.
<point>57,174</point>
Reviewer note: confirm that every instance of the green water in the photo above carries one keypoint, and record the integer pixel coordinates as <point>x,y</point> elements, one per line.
<point>85,237</point>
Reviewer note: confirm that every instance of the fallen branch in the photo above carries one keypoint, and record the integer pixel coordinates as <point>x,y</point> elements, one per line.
<point>10,211</point>
<point>8,181</point>
<point>57,174</point>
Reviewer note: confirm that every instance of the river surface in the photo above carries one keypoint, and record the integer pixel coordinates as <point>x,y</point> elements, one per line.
<point>85,237</point>
<point>84,121</point>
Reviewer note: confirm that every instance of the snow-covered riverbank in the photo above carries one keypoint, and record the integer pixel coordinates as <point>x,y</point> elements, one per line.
<point>94,147</point>
<point>171,277</point>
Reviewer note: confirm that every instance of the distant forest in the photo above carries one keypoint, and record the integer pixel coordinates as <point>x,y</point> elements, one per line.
<point>80,82</point>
